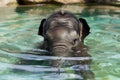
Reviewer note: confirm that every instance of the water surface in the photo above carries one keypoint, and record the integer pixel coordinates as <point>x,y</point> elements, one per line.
<point>21,59</point>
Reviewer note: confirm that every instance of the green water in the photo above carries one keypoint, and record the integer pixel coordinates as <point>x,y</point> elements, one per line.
<point>20,58</point>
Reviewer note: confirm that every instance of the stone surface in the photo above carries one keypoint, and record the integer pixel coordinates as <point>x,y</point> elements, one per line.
<point>26,2</point>
<point>7,2</point>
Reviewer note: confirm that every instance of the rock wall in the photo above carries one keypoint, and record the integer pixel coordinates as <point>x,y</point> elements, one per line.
<point>8,2</point>
<point>24,2</point>
<point>49,1</point>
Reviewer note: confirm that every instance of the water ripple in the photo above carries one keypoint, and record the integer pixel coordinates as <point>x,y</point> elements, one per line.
<point>30,68</point>
<point>36,57</point>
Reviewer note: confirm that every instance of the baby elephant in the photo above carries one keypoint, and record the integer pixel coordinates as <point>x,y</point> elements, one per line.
<point>63,34</point>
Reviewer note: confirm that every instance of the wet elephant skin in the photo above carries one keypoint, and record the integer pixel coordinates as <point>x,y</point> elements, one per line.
<point>64,36</point>
<point>62,33</point>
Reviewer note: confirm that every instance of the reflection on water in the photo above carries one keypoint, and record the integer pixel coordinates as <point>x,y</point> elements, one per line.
<point>21,60</point>
<point>55,67</point>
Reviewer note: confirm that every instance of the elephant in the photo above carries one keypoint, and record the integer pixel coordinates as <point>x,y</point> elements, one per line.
<point>64,34</point>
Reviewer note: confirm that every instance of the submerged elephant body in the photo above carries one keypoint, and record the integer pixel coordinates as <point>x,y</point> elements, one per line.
<point>62,33</point>
<point>64,36</point>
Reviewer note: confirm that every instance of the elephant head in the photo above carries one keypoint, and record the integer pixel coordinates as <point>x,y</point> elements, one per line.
<point>63,32</point>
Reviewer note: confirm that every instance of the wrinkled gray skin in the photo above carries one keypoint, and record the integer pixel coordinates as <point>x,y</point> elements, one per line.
<point>63,33</point>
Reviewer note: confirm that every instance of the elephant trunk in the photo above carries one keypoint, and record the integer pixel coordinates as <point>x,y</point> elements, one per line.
<point>61,49</point>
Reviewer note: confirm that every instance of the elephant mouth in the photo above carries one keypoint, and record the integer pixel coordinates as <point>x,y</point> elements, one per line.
<point>60,48</point>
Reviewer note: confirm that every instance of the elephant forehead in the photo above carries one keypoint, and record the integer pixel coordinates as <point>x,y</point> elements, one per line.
<point>60,32</point>
<point>73,33</point>
<point>63,34</point>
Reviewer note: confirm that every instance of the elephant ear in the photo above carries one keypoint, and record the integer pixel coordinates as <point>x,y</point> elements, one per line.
<point>41,29</point>
<point>84,29</point>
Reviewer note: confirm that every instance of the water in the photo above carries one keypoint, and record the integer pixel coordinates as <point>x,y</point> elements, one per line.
<point>21,59</point>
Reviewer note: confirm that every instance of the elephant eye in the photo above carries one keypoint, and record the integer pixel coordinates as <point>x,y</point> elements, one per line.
<point>75,41</point>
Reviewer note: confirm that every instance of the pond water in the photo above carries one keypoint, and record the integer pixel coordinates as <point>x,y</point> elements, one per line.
<point>20,59</point>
